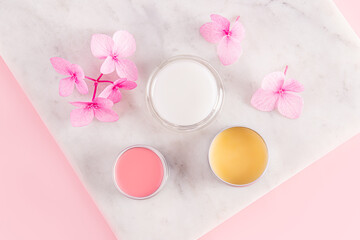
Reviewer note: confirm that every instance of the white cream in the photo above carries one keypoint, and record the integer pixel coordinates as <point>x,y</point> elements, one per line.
<point>184,92</point>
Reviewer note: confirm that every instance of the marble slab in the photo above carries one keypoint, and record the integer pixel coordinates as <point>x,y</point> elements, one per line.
<point>310,36</point>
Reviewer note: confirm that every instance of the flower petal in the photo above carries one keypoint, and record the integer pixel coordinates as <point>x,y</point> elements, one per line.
<point>124,44</point>
<point>107,91</point>
<point>223,22</point>
<point>125,84</point>
<point>106,115</point>
<point>81,117</point>
<point>61,65</point>
<point>126,69</point>
<point>101,45</point>
<point>77,70</point>
<point>212,32</point>
<point>115,96</point>
<point>112,93</point>
<point>229,50</point>
<point>293,85</point>
<point>80,104</point>
<point>273,81</point>
<point>120,80</point>
<point>66,86</point>
<point>108,65</point>
<point>264,100</point>
<point>103,102</point>
<point>290,105</point>
<point>81,86</point>
<point>238,30</point>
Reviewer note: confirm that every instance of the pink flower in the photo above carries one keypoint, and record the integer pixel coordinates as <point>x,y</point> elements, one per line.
<point>114,51</point>
<point>76,76</point>
<point>276,93</point>
<point>112,91</point>
<point>218,31</point>
<point>99,107</point>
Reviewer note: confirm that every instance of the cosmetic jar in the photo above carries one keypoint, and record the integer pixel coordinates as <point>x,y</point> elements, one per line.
<point>185,93</point>
<point>238,156</point>
<point>140,172</point>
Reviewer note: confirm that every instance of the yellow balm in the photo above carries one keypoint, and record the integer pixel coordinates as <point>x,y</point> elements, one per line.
<point>238,156</point>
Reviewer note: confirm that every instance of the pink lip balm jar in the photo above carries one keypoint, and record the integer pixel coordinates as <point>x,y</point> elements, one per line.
<point>140,172</point>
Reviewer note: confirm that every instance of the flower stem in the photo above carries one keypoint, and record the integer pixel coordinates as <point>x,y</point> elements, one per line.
<point>286,68</point>
<point>92,79</point>
<point>96,83</point>
<point>95,86</point>
<point>99,77</point>
<point>100,81</point>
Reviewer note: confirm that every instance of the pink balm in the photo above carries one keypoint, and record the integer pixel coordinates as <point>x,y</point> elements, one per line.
<point>139,172</point>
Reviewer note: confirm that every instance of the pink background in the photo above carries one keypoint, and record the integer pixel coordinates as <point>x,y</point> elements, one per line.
<point>42,198</point>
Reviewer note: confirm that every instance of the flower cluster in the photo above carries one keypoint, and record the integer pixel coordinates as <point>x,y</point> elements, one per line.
<point>114,51</point>
<point>274,93</point>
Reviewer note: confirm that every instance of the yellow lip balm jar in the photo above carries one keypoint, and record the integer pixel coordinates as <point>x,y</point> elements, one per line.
<point>238,156</point>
